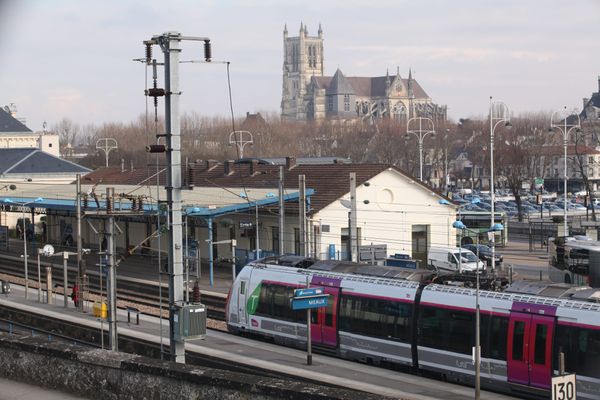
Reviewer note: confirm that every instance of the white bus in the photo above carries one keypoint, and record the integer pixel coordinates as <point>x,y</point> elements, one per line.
<point>573,260</point>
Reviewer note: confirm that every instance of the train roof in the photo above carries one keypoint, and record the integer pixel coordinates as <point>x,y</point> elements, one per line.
<point>350,268</point>
<point>551,289</point>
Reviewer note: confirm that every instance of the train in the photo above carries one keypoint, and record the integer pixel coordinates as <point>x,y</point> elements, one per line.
<point>423,326</point>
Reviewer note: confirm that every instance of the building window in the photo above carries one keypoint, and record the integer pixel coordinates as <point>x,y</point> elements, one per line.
<point>346,102</point>
<point>329,103</point>
<point>49,144</point>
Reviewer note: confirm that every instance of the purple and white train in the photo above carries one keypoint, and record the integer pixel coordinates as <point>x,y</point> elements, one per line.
<point>425,326</point>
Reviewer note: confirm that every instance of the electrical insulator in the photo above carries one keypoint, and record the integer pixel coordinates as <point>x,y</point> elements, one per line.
<point>190,176</point>
<point>85,202</point>
<point>156,148</point>
<point>207,51</point>
<point>140,204</point>
<point>134,204</point>
<point>196,293</point>
<point>109,204</point>
<point>148,52</point>
<point>156,92</point>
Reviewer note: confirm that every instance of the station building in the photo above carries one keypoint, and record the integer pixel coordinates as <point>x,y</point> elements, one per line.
<point>230,200</point>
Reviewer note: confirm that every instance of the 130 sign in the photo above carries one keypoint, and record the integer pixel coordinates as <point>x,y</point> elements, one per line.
<point>564,387</point>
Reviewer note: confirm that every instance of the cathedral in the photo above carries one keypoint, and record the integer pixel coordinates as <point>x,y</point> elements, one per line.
<point>308,95</point>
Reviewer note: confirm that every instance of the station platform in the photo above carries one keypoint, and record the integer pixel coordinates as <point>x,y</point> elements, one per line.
<point>138,267</point>
<point>259,354</point>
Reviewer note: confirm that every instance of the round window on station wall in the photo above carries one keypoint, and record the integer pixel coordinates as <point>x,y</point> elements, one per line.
<point>385,198</point>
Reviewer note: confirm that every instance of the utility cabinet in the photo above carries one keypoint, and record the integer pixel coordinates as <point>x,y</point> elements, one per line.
<point>189,322</point>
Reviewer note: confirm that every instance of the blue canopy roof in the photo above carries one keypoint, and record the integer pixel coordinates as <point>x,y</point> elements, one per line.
<point>191,211</point>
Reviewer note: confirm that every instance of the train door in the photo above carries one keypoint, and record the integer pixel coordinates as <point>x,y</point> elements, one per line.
<point>529,358</point>
<point>324,320</point>
<point>241,303</point>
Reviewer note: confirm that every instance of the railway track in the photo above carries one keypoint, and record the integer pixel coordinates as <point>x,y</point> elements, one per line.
<point>129,290</point>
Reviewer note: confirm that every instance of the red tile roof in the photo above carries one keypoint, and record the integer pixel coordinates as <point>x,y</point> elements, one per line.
<point>330,182</point>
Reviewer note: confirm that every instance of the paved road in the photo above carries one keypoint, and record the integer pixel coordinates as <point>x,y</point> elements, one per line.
<point>12,390</point>
<point>526,264</point>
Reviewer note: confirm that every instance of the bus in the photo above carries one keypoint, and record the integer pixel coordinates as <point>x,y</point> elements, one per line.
<point>574,260</point>
<point>479,222</point>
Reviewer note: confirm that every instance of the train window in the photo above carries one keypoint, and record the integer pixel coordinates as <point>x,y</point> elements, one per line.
<point>447,329</point>
<point>242,287</point>
<point>264,301</point>
<point>539,354</point>
<point>581,348</point>
<point>374,317</point>
<point>495,332</point>
<point>518,341</point>
<point>274,301</point>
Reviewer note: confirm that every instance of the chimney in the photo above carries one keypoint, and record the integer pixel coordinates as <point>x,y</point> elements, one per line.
<point>191,174</point>
<point>290,162</point>
<point>210,164</point>
<point>228,167</point>
<point>253,167</point>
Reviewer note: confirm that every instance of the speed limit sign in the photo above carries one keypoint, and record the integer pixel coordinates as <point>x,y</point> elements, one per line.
<point>564,387</point>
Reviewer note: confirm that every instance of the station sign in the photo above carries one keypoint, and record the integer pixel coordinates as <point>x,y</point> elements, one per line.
<point>303,303</point>
<point>308,292</point>
<point>308,298</point>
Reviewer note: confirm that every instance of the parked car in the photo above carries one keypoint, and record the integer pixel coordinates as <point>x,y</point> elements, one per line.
<point>485,253</point>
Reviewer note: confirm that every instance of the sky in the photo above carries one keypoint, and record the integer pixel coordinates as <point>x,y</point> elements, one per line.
<point>73,58</point>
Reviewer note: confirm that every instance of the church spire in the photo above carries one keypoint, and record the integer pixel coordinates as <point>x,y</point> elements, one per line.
<point>301,28</point>
<point>320,31</point>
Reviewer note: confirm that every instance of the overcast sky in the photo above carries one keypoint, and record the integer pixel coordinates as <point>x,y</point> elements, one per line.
<point>73,58</point>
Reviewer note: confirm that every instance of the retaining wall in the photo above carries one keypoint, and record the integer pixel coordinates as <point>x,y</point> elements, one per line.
<point>101,374</point>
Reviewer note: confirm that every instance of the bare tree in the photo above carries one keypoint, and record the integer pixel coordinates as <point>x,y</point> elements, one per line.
<point>67,132</point>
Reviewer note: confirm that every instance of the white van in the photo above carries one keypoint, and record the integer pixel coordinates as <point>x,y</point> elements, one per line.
<point>446,259</point>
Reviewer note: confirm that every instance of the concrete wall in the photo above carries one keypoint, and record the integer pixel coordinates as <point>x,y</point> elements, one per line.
<point>101,374</point>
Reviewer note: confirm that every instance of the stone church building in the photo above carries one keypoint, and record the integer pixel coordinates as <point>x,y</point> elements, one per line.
<point>308,95</point>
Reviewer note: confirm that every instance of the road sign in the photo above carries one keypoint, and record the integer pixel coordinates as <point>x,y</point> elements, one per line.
<point>303,303</point>
<point>538,183</point>
<point>308,292</point>
<point>564,387</point>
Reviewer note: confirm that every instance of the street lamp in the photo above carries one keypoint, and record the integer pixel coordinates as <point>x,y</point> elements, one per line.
<point>420,134</point>
<point>9,201</point>
<point>569,123</point>
<point>499,114</point>
<point>494,228</point>
<point>241,139</point>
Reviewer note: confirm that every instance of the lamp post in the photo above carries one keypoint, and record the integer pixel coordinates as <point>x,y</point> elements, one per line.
<point>565,127</point>
<point>499,114</point>
<point>241,139</point>
<point>420,134</point>
<point>446,160</point>
<point>494,228</point>
<point>24,237</point>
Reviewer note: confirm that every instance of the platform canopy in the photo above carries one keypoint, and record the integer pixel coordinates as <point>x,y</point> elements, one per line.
<point>202,202</point>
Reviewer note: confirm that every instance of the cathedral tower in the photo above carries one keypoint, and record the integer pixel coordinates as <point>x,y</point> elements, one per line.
<point>302,59</point>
